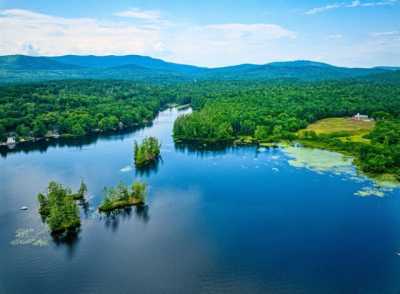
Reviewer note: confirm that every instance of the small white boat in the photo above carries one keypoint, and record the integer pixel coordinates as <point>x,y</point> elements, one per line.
<point>23,208</point>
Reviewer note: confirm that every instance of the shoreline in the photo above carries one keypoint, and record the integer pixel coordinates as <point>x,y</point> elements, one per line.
<point>93,133</point>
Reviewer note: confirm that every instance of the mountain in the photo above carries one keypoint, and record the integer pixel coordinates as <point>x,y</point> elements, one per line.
<point>101,62</point>
<point>388,67</point>
<point>391,76</point>
<point>301,69</point>
<point>23,62</point>
<point>20,68</point>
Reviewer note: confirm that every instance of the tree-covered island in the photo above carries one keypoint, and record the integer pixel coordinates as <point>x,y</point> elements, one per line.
<point>59,209</point>
<point>147,152</point>
<point>122,197</point>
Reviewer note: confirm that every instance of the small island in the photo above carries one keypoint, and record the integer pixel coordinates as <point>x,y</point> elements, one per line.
<point>146,153</point>
<point>58,208</point>
<point>121,197</point>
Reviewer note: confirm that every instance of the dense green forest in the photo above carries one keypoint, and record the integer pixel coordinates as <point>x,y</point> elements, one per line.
<point>78,108</point>
<point>224,111</point>
<point>257,112</point>
<point>275,111</point>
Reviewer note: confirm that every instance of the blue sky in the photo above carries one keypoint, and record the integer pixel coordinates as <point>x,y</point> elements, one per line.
<point>208,32</point>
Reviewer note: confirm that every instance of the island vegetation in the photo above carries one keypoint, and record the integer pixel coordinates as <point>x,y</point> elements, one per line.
<point>59,209</point>
<point>146,153</point>
<point>122,197</point>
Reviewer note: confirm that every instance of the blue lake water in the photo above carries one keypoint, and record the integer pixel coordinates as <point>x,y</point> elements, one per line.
<point>239,220</point>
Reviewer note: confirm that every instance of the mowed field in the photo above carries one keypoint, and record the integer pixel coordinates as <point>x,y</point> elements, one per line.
<point>355,129</point>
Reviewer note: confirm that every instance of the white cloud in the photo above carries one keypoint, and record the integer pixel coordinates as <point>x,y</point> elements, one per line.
<point>257,32</point>
<point>27,32</point>
<point>353,4</point>
<point>323,8</point>
<point>227,44</point>
<point>145,15</point>
<point>24,32</point>
<point>386,34</point>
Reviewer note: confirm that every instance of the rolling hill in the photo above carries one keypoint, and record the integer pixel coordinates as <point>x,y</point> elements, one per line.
<point>23,62</point>
<point>21,68</point>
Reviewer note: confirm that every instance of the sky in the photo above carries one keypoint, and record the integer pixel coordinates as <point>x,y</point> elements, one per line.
<point>354,33</point>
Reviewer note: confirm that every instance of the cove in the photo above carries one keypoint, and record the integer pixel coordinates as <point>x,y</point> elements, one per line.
<point>234,220</point>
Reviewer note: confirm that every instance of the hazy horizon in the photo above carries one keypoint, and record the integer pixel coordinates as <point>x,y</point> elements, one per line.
<point>208,34</point>
<point>200,66</point>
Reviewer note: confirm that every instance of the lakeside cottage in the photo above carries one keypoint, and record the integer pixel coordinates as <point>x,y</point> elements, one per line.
<point>361,117</point>
<point>11,141</point>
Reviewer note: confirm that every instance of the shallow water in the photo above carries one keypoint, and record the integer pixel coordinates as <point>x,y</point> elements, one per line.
<point>238,220</point>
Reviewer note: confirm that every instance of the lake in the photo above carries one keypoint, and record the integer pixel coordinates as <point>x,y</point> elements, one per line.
<point>235,220</point>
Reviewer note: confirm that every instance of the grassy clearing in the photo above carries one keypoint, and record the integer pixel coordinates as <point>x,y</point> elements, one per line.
<point>341,124</point>
<point>353,130</point>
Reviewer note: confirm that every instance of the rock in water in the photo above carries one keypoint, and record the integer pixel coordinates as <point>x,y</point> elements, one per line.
<point>23,208</point>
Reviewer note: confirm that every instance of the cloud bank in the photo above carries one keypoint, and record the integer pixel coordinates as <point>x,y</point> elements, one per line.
<point>353,4</point>
<point>149,32</point>
<point>133,31</point>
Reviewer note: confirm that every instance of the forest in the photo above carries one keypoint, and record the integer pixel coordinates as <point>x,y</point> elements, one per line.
<point>78,108</point>
<point>224,111</point>
<point>259,113</point>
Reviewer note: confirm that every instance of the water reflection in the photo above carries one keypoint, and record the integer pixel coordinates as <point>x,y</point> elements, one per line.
<point>203,217</point>
<point>203,150</point>
<point>142,213</point>
<point>69,241</point>
<point>149,169</point>
<point>43,145</point>
<point>84,204</point>
<point>113,219</point>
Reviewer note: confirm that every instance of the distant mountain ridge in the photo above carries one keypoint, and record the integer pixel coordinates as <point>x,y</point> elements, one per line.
<point>21,68</point>
<point>111,61</point>
<point>23,62</point>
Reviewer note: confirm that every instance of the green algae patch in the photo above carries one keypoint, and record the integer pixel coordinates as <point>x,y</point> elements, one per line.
<point>322,161</point>
<point>319,160</point>
<point>371,191</point>
<point>30,237</point>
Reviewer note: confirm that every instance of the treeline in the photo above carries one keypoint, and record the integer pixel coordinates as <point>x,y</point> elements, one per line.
<point>78,108</point>
<point>383,154</point>
<point>269,112</point>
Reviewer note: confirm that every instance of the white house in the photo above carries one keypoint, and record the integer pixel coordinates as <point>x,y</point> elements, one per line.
<point>10,141</point>
<point>362,117</point>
